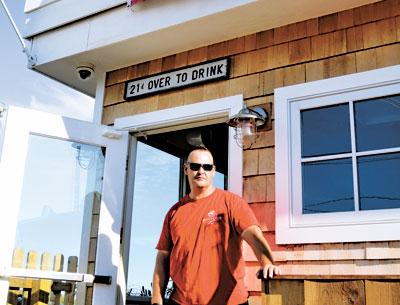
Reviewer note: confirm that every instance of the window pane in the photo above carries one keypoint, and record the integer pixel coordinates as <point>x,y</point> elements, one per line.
<point>327,186</point>
<point>325,131</point>
<point>377,123</point>
<point>379,181</point>
<point>61,190</point>
<point>156,190</point>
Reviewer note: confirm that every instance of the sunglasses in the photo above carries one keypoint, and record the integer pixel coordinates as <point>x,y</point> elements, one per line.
<point>196,166</point>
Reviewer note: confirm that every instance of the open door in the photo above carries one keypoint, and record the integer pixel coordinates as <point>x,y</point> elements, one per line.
<point>160,142</point>
<point>62,191</point>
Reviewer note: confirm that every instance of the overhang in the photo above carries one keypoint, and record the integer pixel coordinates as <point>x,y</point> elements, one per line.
<point>122,36</point>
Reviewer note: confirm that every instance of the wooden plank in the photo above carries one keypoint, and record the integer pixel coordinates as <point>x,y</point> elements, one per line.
<point>266,161</point>
<point>217,50</point>
<point>197,55</point>
<point>255,189</point>
<point>249,86</point>
<point>239,65</point>
<point>366,60</point>
<point>17,262</point>
<point>328,23</point>
<point>264,39</point>
<point>72,267</point>
<point>281,34</point>
<point>45,285</point>
<point>215,90</point>
<point>18,258</point>
<point>345,19</point>
<point>32,263</point>
<point>168,63</point>
<point>114,94</point>
<point>354,39</point>
<point>382,293</point>
<point>389,56</point>
<point>338,292</point>
<point>258,60</point>
<point>89,296</point>
<point>336,277</point>
<point>327,45</point>
<point>155,66</point>
<point>297,30</point>
<point>299,50</point>
<point>265,214</point>
<point>116,76</point>
<point>250,42</point>
<point>250,162</point>
<point>236,46</point>
<point>292,292</point>
<point>58,266</point>
<point>312,27</point>
<point>181,59</point>
<point>379,33</point>
<point>271,299</point>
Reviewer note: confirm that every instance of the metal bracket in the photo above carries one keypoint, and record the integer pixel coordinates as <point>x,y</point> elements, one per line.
<point>32,59</point>
<point>3,109</point>
<point>102,279</point>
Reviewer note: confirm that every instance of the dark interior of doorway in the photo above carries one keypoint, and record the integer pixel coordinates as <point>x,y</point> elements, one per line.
<point>180,142</point>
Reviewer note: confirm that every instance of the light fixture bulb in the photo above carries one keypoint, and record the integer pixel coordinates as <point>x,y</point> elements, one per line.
<point>245,123</point>
<point>247,128</point>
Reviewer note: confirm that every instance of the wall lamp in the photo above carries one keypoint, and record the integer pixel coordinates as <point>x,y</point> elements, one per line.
<point>245,123</point>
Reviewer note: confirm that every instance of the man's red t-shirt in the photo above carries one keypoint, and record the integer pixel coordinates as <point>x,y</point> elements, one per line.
<point>204,240</point>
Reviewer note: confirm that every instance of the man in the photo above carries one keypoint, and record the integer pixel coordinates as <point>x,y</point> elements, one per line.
<point>200,243</point>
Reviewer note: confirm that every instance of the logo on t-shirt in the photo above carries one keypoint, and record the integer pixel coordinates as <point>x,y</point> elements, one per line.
<point>212,217</point>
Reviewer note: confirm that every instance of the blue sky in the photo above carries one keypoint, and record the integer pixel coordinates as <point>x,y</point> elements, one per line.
<point>23,87</point>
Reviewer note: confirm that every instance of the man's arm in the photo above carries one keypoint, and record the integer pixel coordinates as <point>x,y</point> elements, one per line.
<point>254,237</point>
<point>160,277</point>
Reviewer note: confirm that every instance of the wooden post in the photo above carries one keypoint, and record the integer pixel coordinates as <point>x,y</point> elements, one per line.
<point>45,285</point>
<point>34,284</point>
<point>72,267</point>
<point>266,297</point>
<point>17,262</point>
<point>58,267</point>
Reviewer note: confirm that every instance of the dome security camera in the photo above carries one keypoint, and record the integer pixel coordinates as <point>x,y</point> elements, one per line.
<point>85,72</point>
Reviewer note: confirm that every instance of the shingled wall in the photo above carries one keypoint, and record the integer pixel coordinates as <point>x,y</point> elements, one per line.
<point>350,41</point>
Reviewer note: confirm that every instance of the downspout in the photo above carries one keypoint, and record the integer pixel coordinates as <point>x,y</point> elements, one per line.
<point>32,60</point>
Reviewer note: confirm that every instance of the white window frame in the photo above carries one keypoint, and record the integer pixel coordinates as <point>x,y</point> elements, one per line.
<point>291,225</point>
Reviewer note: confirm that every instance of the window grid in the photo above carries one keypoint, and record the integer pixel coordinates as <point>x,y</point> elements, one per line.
<point>354,157</point>
<point>354,154</point>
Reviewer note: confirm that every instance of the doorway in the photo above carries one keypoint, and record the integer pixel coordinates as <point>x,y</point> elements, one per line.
<point>159,183</point>
<point>160,142</point>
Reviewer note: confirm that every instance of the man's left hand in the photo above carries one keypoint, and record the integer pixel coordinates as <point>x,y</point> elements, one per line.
<point>268,271</point>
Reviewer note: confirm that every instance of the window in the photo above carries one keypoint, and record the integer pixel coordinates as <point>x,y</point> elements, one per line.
<point>338,159</point>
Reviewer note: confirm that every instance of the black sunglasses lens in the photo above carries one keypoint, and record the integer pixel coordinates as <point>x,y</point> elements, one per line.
<point>207,167</point>
<point>194,166</point>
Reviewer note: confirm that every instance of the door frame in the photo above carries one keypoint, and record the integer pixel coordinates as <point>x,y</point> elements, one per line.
<point>182,117</point>
<point>20,124</point>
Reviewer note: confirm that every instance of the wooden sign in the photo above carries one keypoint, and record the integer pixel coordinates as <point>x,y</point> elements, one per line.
<point>209,71</point>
